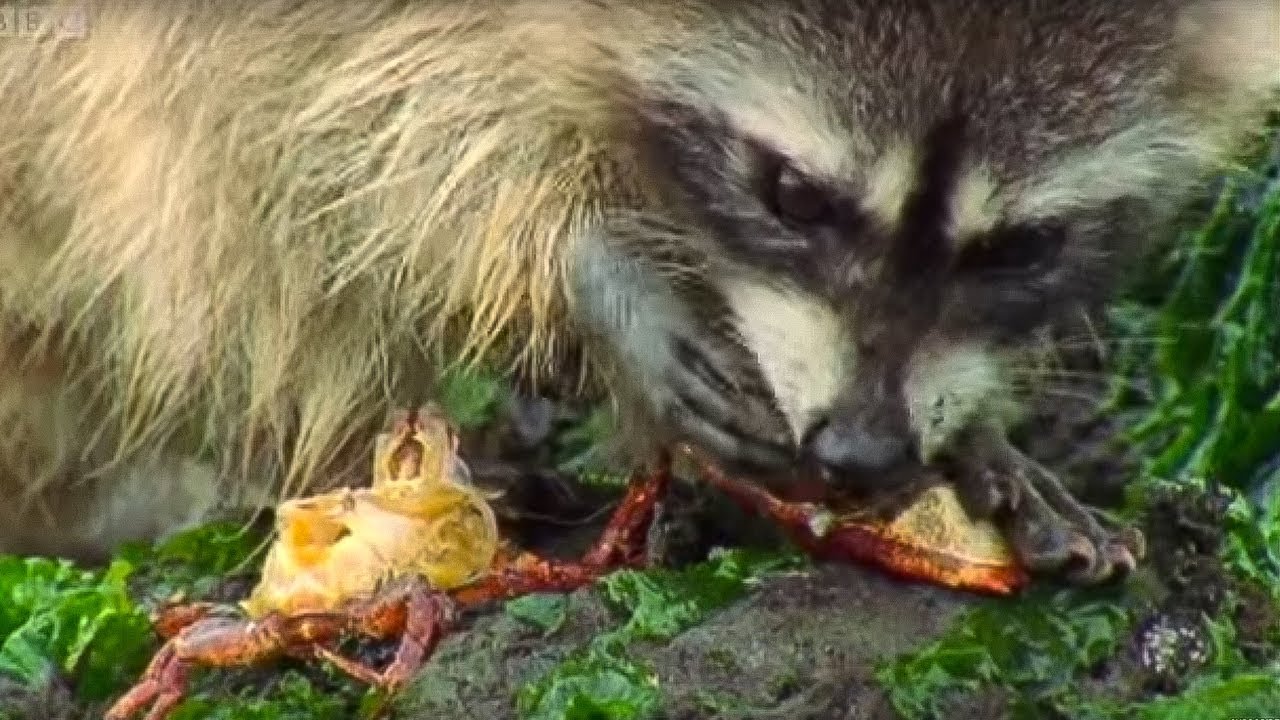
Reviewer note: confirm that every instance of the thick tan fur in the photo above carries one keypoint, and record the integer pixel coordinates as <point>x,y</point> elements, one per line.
<point>261,222</point>
<point>242,230</point>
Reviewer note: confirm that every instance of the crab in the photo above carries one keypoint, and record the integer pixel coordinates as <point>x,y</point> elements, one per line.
<point>377,562</point>
<point>404,557</point>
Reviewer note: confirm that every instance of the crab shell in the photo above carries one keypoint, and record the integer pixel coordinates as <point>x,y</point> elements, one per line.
<point>929,527</point>
<point>347,543</point>
<point>937,527</point>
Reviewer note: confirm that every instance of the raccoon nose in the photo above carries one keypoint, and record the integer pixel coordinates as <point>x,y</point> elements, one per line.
<point>853,448</point>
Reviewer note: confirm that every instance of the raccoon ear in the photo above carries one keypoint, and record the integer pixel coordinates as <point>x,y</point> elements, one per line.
<point>1229,52</point>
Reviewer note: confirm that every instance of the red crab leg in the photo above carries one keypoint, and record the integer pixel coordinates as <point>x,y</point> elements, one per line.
<point>163,686</point>
<point>164,681</point>
<point>170,620</point>
<point>422,616</point>
<point>621,544</point>
<point>425,615</point>
<point>823,536</point>
<point>623,539</point>
<point>528,574</point>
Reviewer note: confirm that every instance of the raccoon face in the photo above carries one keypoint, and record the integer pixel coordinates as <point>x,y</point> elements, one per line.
<point>894,198</point>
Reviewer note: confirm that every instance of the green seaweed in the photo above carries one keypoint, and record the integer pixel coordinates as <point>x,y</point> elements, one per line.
<point>56,618</point>
<point>1035,644</point>
<point>471,396</point>
<point>546,611</point>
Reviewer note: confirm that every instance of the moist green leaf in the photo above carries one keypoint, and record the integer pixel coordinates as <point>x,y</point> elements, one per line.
<point>61,619</point>
<point>601,684</point>
<point>546,611</point>
<point>664,603</point>
<point>1034,645</point>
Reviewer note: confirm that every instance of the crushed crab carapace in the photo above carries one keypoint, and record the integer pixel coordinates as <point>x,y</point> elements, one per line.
<point>420,515</point>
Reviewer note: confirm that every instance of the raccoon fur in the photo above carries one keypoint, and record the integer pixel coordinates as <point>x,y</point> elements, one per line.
<point>233,234</point>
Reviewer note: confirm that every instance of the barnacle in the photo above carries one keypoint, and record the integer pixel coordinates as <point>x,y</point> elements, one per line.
<point>1170,645</point>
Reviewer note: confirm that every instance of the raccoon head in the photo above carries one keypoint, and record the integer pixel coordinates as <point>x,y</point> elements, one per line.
<point>893,198</point>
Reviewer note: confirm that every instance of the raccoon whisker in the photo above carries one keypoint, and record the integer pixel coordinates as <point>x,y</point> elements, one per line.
<point>1033,381</point>
<point>1066,374</point>
<point>1051,373</point>
<point>1094,399</point>
<point>1093,336</point>
<point>1129,341</point>
<point>1095,396</point>
<point>1162,327</point>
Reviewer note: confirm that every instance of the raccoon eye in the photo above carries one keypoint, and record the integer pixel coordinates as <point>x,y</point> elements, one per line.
<point>794,197</point>
<point>1022,250</point>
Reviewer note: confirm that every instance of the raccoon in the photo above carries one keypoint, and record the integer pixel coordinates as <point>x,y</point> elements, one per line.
<point>235,233</point>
